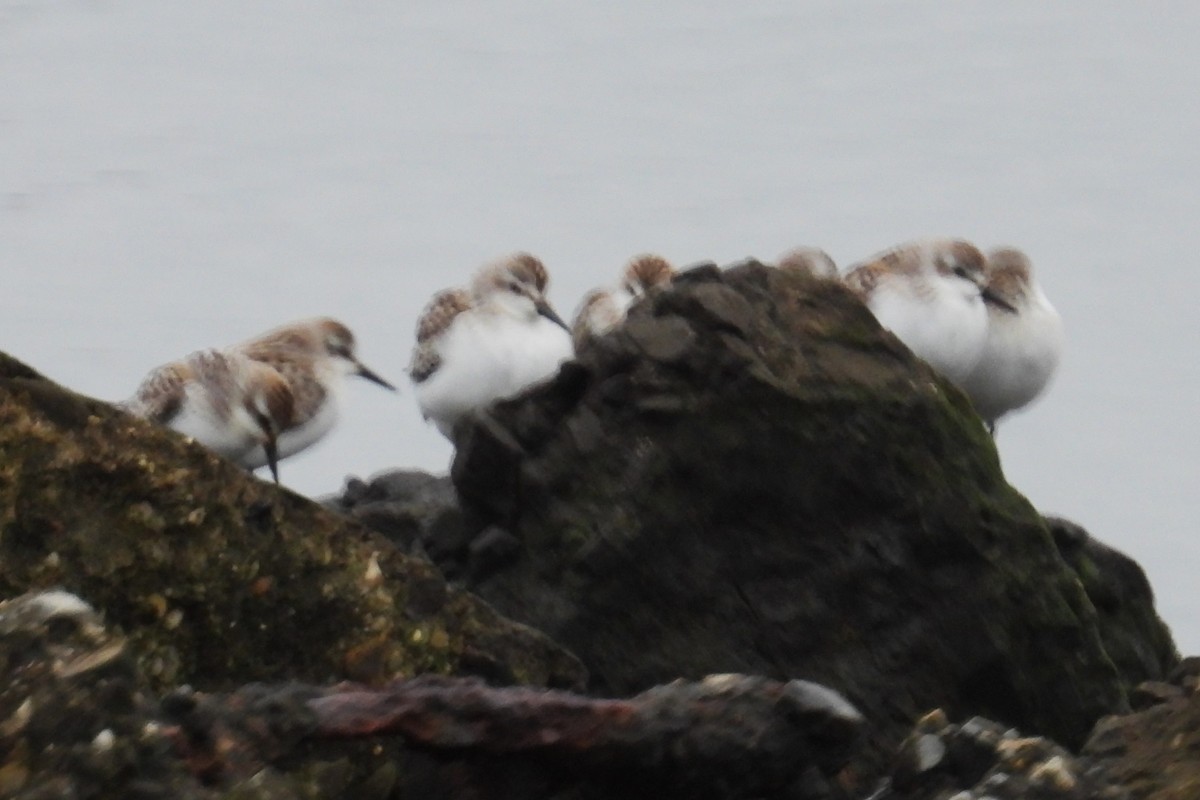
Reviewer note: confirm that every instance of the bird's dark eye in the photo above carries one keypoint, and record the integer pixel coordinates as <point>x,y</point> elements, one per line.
<point>514,287</point>
<point>961,271</point>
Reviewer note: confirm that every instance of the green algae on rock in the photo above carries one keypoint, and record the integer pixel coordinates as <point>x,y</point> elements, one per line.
<point>219,578</point>
<point>1138,642</point>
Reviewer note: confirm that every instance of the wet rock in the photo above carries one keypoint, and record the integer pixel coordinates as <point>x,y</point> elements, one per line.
<point>1145,755</point>
<point>415,510</point>
<point>1151,693</point>
<point>981,759</point>
<point>1134,637</point>
<point>752,476</point>
<point>1152,752</point>
<point>220,578</point>
<point>664,343</point>
<point>726,736</point>
<point>76,725</point>
<point>72,716</point>
<point>491,550</point>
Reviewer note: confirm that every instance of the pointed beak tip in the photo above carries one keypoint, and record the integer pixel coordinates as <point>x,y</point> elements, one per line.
<point>373,377</point>
<point>549,313</point>
<point>996,300</point>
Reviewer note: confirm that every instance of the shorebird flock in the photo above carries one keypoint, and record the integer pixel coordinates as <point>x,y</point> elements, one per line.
<point>981,320</point>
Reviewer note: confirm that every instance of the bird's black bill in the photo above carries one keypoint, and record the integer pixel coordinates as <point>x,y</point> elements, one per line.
<point>546,311</point>
<point>373,378</point>
<point>991,297</point>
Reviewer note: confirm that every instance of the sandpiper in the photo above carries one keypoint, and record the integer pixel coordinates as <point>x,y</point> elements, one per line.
<point>480,345</point>
<point>811,261</point>
<point>1022,350</point>
<point>225,401</point>
<point>932,295</point>
<point>602,310</point>
<point>313,356</point>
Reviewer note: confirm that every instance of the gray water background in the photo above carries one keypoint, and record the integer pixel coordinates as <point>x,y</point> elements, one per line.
<point>181,175</point>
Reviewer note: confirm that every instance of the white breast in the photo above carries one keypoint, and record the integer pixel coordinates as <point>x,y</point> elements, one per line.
<point>229,436</point>
<point>946,328</point>
<point>486,357</point>
<point>1020,356</point>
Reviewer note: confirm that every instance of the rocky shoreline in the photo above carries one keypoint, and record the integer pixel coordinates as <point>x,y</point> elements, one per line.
<point>749,479</point>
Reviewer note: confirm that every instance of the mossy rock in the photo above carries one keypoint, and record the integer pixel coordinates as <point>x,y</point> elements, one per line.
<point>219,578</point>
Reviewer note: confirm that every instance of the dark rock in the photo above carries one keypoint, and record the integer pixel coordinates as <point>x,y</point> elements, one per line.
<point>398,522</point>
<point>75,725</point>
<point>1134,636</point>
<point>495,452</point>
<point>72,716</point>
<point>1151,693</point>
<point>665,342</point>
<point>1152,753</point>
<point>416,511</point>
<point>1186,668</point>
<point>354,493</point>
<point>753,477</point>
<point>491,550</point>
<point>981,759</point>
<point>411,486</point>
<point>727,736</point>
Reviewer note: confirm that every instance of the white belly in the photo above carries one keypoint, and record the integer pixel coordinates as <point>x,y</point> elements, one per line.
<point>947,331</point>
<point>1021,355</point>
<point>486,358</point>
<point>230,436</point>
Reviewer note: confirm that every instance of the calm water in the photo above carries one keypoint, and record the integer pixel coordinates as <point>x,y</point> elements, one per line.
<point>178,175</point>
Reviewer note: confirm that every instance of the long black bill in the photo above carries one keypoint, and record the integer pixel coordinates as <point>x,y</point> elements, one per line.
<point>372,377</point>
<point>991,297</point>
<point>546,311</point>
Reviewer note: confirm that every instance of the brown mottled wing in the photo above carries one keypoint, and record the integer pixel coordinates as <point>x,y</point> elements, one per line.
<point>424,362</point>
<point>161,393</point>
<point>811,261</point>
<point>440,311</point>
<point>597,315</point>
<point>292,365</point>
<point>647,271</point>
<point>215,371</point>
<point>268,348</point>
<point>437,317</point>
<point>305,335</point>
<point>281,400</point>
<point>863,279</point>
